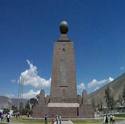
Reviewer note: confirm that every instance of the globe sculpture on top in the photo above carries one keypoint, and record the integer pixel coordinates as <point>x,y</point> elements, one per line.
<point>63,27</point>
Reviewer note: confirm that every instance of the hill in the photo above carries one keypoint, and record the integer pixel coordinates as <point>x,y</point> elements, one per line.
<point>117,88</point>
<point>6,102</point>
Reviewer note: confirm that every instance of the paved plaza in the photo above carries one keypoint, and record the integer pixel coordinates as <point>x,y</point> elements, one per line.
<point>122,122</point>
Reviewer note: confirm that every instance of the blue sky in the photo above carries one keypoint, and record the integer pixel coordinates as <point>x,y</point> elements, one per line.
<point>29,28</point>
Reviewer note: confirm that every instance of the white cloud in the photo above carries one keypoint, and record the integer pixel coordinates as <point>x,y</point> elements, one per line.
<point>26,95</point>
<point>30,77</point>
<point>96,84</point>
<point>122,68</point>
<point>13,81</point>
<point>81,87</point>
<point>30,94</point>
<point>10,96</point>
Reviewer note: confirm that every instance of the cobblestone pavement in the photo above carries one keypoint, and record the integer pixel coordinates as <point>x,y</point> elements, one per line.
<point>122,122</point>
<point>66,122</point>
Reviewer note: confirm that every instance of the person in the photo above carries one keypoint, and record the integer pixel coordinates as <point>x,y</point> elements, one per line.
<point>57,119</point>
<point>1,117</point>
<point>106,119</point>
<point>52,120</point>
<point>60,119</point>
<point>113,119</point>
<point>8,117</point>
<point>0,114</point>
<point>45,118</point>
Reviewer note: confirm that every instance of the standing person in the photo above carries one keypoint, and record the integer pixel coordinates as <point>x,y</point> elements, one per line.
<point>8,117</point>
<point>60,119</point>
<point>52,120</point>
<point>105,119</point>
<point>57,119</point>
<point>45,118</point>
<point>0,115</point>
<point>113,119</point>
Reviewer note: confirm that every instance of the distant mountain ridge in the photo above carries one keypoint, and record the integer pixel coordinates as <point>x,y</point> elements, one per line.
<point>6,102</point>
<point>116,86</point>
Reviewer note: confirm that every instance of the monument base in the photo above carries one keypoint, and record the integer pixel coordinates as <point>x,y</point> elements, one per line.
<point>66,110</point>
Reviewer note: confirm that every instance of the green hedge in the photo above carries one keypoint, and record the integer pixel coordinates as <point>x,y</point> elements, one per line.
<point>120,115</point>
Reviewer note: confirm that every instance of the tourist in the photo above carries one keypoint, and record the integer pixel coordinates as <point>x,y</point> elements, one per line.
<point>45,118</point>
<point>8,117</point>
<point>1,116</point>
<point>60,119</point>
<point>57,119</point>
<point>106,119</point>
<point>113,119</point>
<point>52,120</point>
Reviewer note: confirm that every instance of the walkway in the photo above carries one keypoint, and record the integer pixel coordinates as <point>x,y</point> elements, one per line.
<point>66,122</point>
<point>122,122</point>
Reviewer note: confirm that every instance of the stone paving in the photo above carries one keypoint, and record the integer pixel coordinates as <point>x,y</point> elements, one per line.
<point>66,122</point>
<point>122,122</point>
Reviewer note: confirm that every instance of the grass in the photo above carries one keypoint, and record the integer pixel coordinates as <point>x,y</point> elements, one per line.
<point>40,121</point>
<point>29,121</point>
<point>120,115</point>
<point>87,122</point>
<point>25,120</point>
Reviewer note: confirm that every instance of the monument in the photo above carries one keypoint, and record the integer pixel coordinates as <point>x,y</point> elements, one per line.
<point>63,99</point>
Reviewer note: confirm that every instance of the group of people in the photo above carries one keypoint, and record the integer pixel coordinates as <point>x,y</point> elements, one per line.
<point>109,119</point>
<point>58,119</point>
<point>7,116</point>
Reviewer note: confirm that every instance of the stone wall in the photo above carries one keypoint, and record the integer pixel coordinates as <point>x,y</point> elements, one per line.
<point>86,111</point>
<point>64,112</point>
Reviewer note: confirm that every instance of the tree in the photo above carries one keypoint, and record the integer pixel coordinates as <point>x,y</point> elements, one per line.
<point>109,98</point>
<point>100,105</point>
<point>21,108</point>
<point>5,110</point>
<point>14,108</point>
<point>33,102</point>
<point>28,110</point>
<point>93,104</point>
<point>120,100</point>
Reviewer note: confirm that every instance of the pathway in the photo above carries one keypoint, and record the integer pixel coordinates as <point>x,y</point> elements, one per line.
<point>66,122</point>
<point>121,122</point>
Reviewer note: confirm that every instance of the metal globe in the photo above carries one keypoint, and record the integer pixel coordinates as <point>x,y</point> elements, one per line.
<point>63,27</point>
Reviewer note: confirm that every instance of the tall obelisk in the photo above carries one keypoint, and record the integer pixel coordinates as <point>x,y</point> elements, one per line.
<point>63,84</point>
<point>63,98</point>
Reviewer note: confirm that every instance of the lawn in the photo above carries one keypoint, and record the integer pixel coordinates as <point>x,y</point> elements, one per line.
<point>41,121</point>
<point>87,121</point>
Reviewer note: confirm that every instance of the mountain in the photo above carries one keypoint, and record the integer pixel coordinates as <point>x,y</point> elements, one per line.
<point>15,101</point>
<point>116,87</point>
<point>6,102</point>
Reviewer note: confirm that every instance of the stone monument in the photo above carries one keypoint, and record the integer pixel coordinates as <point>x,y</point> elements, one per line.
<point>63,99</point>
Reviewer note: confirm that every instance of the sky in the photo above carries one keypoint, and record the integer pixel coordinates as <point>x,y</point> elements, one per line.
<point>29,29</point>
